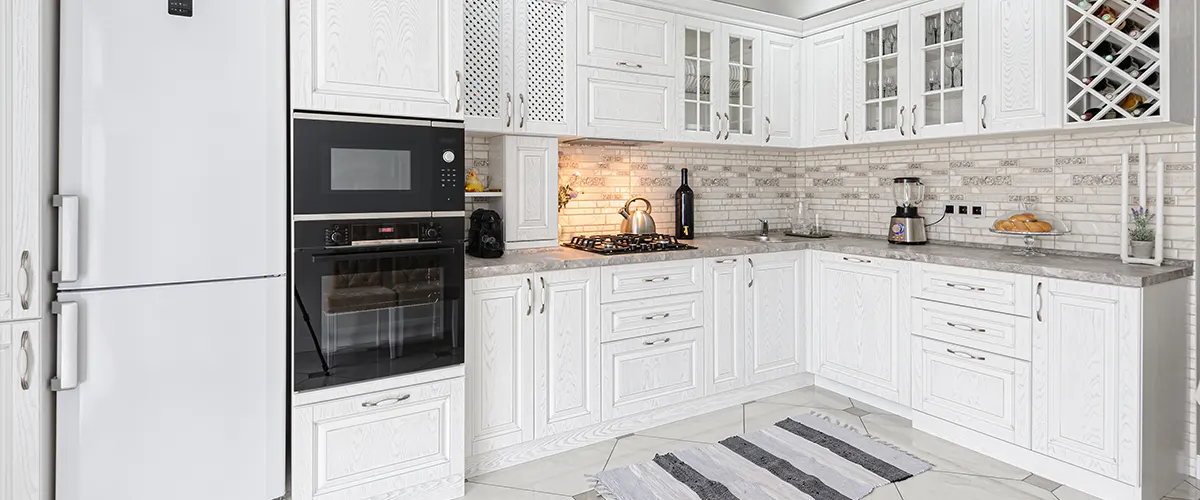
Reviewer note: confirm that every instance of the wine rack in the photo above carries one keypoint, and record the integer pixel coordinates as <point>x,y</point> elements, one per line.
<point>1116,69</point>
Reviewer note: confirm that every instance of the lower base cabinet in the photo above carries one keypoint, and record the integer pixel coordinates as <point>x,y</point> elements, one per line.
<point>405,443</point>
<point>651,372</point>
<point>774,316</point>
<point>985,392</point>
<point>724,324</point>
<point>21,412</point>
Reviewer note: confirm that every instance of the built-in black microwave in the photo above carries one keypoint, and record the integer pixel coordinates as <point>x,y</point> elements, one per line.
<point>348,165</point>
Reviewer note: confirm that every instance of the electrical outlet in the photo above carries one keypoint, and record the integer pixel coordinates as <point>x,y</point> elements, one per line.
<point>949,209</point>
<point>963,210</point>
<point>977,210</point>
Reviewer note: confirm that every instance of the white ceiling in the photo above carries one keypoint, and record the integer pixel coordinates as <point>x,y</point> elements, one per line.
<point>799,9</point>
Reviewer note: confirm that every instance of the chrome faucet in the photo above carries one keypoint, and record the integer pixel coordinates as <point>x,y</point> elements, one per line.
<point>766,227</point>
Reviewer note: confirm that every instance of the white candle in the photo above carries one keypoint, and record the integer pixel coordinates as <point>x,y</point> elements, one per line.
<point>1142,179</point>
<point>1124,205</point>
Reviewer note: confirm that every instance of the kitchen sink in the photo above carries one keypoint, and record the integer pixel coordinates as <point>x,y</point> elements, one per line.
<point>773,238</point>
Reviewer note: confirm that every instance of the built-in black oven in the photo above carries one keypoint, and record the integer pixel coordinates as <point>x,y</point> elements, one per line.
<point>375,298</point>
<point>344,164</point>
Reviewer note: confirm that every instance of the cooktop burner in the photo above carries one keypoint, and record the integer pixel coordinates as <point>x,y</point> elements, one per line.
<point>626,243</point>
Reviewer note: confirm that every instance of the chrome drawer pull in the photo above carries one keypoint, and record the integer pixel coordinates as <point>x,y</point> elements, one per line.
<point>656,280</point>
<point>657,316</point>
<point>726,261</point>
<point>385,401</point>
<point>965,328</point>
<point>27,356</point>
<point>529,310</point>
<point>962,286</point>
<point>857,261</point>
<point>659,341</point>
<point>964,355</point>
<point>627,65</point>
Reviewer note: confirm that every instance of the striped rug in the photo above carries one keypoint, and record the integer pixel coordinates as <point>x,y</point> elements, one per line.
<point>806,456</point>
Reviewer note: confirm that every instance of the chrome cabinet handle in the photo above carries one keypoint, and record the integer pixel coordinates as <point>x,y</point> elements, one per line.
<point>751,261</point>
<point>983,119</point>
<point>25,280</point>
<point>68,239</point>
<point>545,298</point>
<point>524,110</point>
<point>965,328</point>
<point>508,95</point>
<point>727,125</point>
<point>27,355</point>
<point>659,341</point>
<point>726,261</point>
<point>856,261</point>
<point>1039,302</point>
<point>67,377</point>
<point>628,65</point>
<point>657,316</point>
<point>914,118</point>
<point>900,126</point>
<point>846,126</point>
<point>385,401</point>
<point>529,284</point>
<point>719,122</point>
<point>965,355</point>
<point>458,86</point>
<point>964,286</point>
<point>656,280</point>
<point>768,128</point>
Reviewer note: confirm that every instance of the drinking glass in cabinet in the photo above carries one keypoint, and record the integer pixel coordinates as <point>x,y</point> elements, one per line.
<point>890,37</point>
<point>933,31</point>
<point>954,25</point>
<point>953,61</point>
<point>872,44</point>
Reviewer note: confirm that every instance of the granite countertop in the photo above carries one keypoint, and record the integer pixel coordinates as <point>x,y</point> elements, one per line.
<point>1090,268</point>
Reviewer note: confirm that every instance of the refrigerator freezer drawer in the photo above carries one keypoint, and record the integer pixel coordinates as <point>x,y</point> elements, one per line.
<point>176,383</point>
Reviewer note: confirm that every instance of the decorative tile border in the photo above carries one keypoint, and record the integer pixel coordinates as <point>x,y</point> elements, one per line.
<point>987,180</point>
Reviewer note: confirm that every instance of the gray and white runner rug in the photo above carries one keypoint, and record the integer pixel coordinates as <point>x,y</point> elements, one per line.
<point>806,456</point>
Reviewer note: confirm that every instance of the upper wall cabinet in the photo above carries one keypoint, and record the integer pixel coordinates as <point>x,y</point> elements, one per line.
<point>828,87</point>
<point>881,89</point>
<point>944,76</point>
<point>781,90</point>
<point>1017,55</point>
<point>698,72</point>
<point>626,37</point>
<point>384,57</point>
<point>520,66</point>
<point>1120,57</point>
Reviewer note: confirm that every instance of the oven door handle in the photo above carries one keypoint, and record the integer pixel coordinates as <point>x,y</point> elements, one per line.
<point>377,255</point>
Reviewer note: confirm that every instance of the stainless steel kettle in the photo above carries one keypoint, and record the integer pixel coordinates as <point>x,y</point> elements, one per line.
<point>638,222</point>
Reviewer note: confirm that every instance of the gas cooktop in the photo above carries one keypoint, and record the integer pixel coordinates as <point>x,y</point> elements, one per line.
<point>626,243</point>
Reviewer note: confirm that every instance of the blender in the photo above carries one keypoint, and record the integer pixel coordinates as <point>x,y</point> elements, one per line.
<point>908,227</point>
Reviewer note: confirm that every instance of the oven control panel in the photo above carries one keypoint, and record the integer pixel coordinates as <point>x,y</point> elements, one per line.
<point>389,233</point>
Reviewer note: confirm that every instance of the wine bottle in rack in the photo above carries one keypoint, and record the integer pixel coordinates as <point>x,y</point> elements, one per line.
<point>1151,81</point>
<point>1132,102</point>
<point>1084,4</point>
<point>1087,80</point>
<point>1132,66</point>
<point>1093,114</point>
<point>1133,29</point>
<point>1104,50</point>
<point>1151,41</point>
<point>1109,15</point>
<point>1151,4</point>
<point>1108,88</point>
<point>1143,108</point>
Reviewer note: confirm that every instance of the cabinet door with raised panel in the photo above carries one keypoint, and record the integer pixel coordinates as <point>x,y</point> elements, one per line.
<point>499,353</point>
<point>529,169</point>
<point>724,324</point>
<point>620,36</point>
<point>945,68</point>
<point>828,90</point>
<point>744,110</point>
<point>489,104</point>
<point>1018,40</point>
<point>781,90</point>
<point>566,360</point>
<point>860,327</point>
<point>20,415</point>
<point>1086,372</point>
<point>700,79</point>
<point>881,85</point>
<point>774,316</point>
<point>388,57</point>
<point>545,67</point>
<point>624,105</point>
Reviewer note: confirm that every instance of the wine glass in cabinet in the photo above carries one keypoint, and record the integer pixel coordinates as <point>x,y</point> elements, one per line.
<point>944,78</point>
<point>882,87</point>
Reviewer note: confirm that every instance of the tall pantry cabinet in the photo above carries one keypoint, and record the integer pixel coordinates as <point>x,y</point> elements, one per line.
<point>28,65</point>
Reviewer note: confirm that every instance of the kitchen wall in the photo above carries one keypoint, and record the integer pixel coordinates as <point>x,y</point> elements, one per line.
<point>1075,176</point>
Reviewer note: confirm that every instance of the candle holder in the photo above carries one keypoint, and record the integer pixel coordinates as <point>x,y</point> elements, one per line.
<point>1125,210</point>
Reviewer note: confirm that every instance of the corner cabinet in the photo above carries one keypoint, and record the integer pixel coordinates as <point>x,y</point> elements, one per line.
<point>774,315</point>
<point>829,87</point>
<point>519,71</point>
<point>383,57</point>
<point>860,332</point>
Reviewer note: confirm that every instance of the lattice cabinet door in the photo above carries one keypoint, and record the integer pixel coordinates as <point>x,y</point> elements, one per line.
<point>944,76</point>
<point>545,67</point>
<point>488,65</point>
<point>1119,57</point>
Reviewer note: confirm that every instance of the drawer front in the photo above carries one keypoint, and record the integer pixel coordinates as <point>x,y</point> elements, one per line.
<point>649,372</point>
<point>379,443</point>
<point>637,318</point>
<point>991,290</point>
<point>989,331</point>
<point>650,280</point>
<point>984,392</point>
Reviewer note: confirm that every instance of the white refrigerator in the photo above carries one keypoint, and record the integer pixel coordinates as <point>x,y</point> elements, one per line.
<point>171,306</point>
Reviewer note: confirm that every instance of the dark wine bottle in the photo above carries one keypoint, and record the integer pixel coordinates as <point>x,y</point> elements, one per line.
<point>1133,29</point>
<point>1132,66</point>
<point>685,210</point>
<point>1104,50</point>
<point>1151,81</point>
<point>1143,108</point>
<point>1151,41</point>
<point>1108,88</point>
<point>1093,114</point>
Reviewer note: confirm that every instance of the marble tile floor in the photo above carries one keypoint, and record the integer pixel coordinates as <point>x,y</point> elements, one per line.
<point>957,473</point>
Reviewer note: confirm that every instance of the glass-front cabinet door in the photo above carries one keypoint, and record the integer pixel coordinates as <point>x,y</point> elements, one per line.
<point>743,60</point>
<point>944,74</point>
<point>882,95</point>
<point>700,80</point>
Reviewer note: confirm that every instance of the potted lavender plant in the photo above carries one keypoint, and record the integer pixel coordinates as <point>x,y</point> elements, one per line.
<point>1141,235</point>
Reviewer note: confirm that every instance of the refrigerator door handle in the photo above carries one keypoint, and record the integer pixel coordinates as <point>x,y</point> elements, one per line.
<point>67,377</point>
<point>68,239</point>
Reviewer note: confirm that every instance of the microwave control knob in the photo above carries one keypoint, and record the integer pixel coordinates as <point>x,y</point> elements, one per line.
<point>447,156</point>
<point>337,237</point>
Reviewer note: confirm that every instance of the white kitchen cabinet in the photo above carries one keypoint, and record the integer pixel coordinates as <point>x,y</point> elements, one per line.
<point>943,80</point>
<point>404,443</point>
<point>860,323</point>
<point>700,76</point>
<point>528,168</point>
<point>499,362</point>
<point>979,390</point>
<point>650,372</point>
<point>781,90</point>
<point>774,310</point>
<point>566,361</point>
<point>21,412</point>
<point>625,37</point>
<point>828,87</point>
<point>519,67</point>
<point>744,111</point>
<point>724,324</point>
<point>383,57</point>
<point>1018,46</point>
<point>617,104</point>
<point>881,86</point>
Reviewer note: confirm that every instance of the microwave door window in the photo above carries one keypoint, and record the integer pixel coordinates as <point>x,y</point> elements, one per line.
<point>370,170</point>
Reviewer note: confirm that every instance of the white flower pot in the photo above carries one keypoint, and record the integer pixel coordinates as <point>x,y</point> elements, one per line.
<point>1142,249</point>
